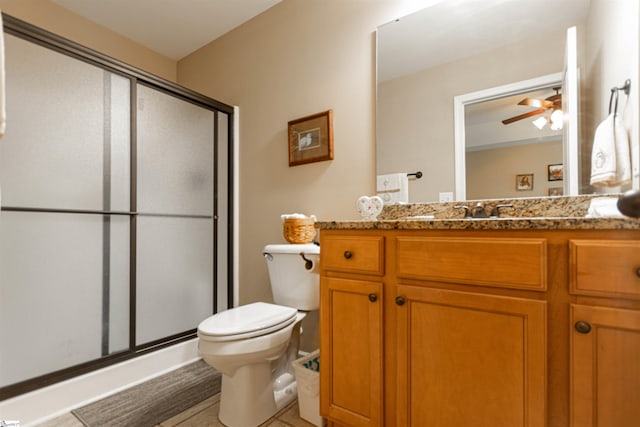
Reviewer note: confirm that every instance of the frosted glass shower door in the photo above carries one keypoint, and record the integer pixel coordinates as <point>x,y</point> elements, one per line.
<point>175,205</point>
<point>67,145</point>
<point>51,291</point>
<point>64,258</point>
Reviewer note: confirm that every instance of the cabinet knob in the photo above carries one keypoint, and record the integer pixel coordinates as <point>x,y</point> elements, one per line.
<point>583,327</point>
<point>348,254</point>
<point>638,271</point>
<point>373,297</point>
<point>400,300</point>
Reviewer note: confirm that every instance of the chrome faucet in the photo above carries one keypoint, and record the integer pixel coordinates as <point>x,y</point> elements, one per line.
<point>479,210</point>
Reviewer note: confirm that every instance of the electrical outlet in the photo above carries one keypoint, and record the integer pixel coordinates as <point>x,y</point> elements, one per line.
<point>446,196</point>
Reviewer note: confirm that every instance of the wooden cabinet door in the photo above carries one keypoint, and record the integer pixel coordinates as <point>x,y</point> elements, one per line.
<point>469,360</point>
<point>351,351</point>
<point>605,367</point>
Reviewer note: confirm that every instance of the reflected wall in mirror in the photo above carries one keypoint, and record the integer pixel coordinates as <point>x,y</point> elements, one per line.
<point>501,141</point>
<point>459,47</point>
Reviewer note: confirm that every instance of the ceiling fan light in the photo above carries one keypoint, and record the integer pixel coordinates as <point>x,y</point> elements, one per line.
<point>557,118</point>
<point>540,122</point>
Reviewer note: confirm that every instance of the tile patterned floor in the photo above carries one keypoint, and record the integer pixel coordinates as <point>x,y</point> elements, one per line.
<point>204,414</point>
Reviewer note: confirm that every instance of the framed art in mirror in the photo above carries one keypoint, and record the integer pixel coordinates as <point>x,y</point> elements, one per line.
<point>555,191</point>
<point>554,172</point>
<point>524,182</point>
<point>311,139</point>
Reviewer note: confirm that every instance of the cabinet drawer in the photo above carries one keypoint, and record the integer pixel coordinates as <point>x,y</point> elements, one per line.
<point>361,254</point>
<point>608,268</point>
<point>501,262</point>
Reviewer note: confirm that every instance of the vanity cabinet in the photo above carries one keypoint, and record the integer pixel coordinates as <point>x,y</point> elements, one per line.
<point>463,357</point>
<point>352,336</point>
<point>477,327</point>
<point>471,353</point>
<point>605,333</point>
<point>351,333</point>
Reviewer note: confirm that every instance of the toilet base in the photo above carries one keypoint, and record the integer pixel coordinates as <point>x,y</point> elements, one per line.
<point>252,387</point>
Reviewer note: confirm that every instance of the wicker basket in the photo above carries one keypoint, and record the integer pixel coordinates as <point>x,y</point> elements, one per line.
<point>299,230</point>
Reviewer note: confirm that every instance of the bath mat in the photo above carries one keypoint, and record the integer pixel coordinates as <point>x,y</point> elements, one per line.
<point>153,401</point>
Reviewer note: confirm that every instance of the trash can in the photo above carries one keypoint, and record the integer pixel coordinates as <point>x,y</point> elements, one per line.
<point>307,372</point>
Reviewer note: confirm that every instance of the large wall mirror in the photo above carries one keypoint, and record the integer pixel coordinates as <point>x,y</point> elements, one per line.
<point>490,74</point>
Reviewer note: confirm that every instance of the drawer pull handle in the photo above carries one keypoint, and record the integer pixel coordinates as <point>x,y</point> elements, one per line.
<point>583,327</point>
<point>373,297</point>
<point>638,271</point>
<point>348,254</point>
<point>400,300</point>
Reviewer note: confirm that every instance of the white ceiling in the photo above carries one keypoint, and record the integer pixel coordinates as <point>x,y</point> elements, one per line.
<point>484,128</point>
<point>173,28</point>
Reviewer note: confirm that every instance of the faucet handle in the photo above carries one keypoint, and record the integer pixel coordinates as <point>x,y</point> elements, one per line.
<point>467,211</point>
<point>495,212</point>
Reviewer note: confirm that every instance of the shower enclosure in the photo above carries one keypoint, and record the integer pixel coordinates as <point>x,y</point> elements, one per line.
<point>116,211</point>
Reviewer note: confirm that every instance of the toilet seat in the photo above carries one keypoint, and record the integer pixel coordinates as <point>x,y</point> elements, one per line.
<point>246,321</point>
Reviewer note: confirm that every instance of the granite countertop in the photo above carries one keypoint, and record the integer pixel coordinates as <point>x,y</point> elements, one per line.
<point>547,213</point>
<point>532,223</point>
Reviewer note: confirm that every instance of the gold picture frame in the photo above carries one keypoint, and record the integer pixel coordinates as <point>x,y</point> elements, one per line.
<point>524,182</point>
<point>311,139</point>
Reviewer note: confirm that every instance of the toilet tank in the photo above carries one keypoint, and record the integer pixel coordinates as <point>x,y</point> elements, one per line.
<point>294,279</point>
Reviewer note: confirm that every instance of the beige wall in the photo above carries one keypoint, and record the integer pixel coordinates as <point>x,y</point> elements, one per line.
<point>611,30</point>
<point>415,112</point>
<point>298,58</point>
<point>53,18</point>
<point>491,173</point>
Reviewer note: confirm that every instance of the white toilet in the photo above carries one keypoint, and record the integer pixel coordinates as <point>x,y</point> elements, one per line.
<point>253,345</point>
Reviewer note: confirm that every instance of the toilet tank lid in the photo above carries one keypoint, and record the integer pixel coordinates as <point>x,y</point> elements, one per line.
<point>307,248</point>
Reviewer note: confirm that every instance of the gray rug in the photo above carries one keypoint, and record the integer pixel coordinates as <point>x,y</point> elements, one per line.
<point>153,401</point>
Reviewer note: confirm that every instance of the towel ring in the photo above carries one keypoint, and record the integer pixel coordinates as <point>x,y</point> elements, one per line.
<point>614,93</point>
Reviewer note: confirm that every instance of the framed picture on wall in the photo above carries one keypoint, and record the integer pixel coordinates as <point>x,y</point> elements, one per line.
<point>555,191</point>
<point>555,172</point>
<point>311,139</point>
<point>524,182</point>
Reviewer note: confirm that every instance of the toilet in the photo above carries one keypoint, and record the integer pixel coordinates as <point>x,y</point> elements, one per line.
<point>253,345</point>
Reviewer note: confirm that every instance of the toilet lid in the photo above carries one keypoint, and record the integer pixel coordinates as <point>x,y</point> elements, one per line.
<point>247,321</point>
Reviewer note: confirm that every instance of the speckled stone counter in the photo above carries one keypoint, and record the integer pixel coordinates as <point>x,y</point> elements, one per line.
<point>547,213</point>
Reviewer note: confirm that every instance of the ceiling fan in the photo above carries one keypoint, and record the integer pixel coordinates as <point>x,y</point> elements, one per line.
<point>553,103</point>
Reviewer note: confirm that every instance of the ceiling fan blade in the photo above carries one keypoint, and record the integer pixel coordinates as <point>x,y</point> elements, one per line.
<point>524,116</point>
<point>554,98</point>
<point>539,103</point>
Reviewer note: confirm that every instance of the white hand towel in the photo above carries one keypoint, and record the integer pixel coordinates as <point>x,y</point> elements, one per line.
<point>604,207</point>
<point>393,188</point>
<point>610,160</point>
